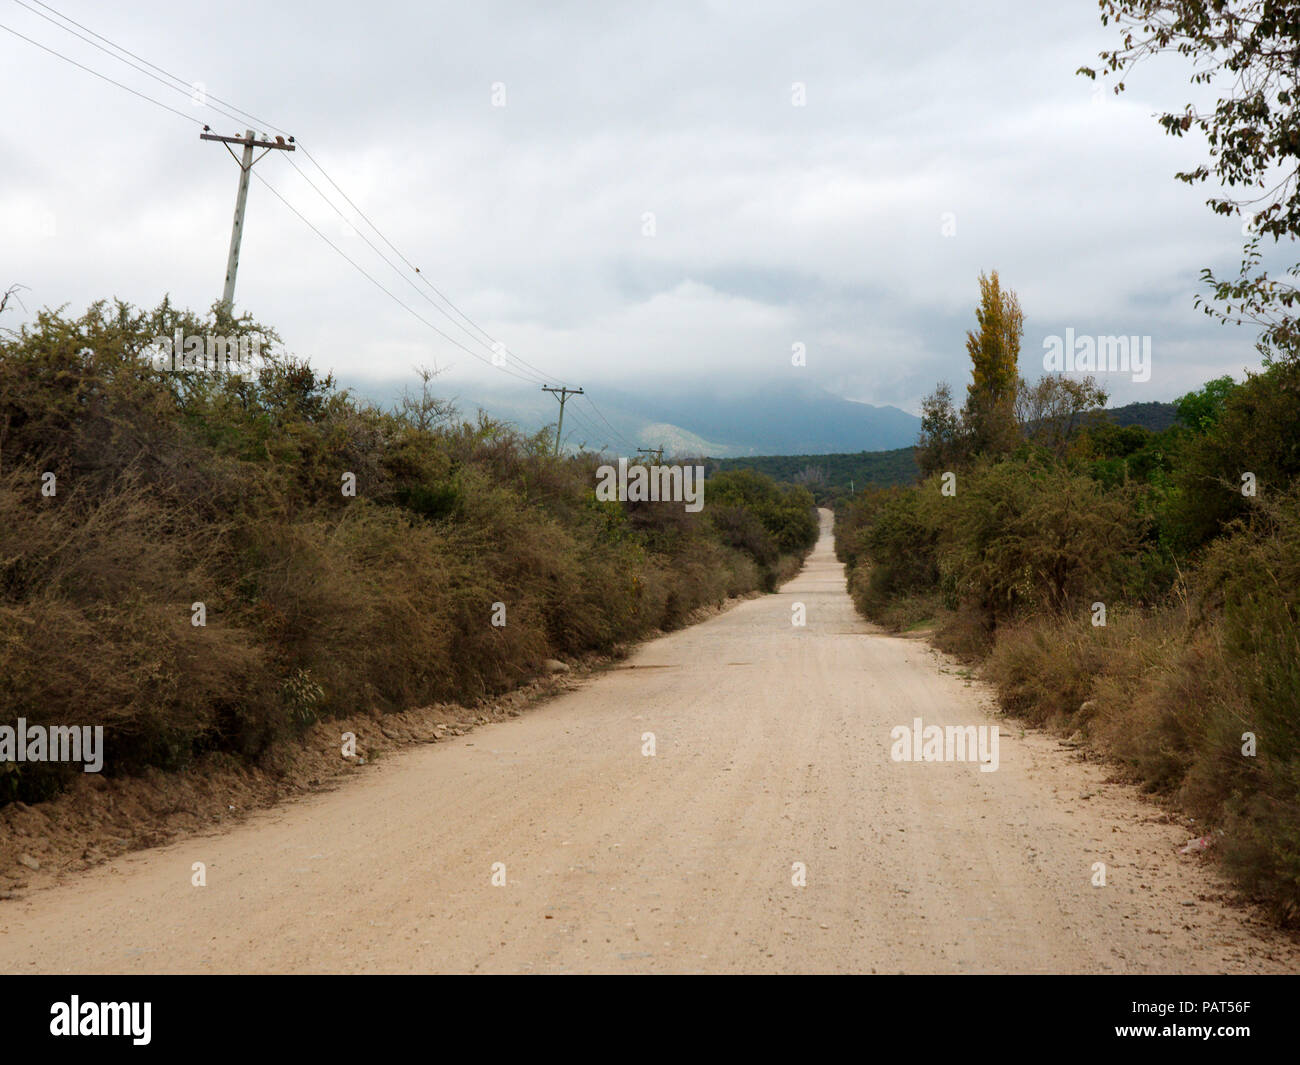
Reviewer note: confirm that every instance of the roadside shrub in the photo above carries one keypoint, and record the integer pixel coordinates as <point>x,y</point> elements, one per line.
<point>1253,428</point>
<point>1027,535</point>
<point>1199,655</point>
<point>179,489</point>
<point>1251,577</point>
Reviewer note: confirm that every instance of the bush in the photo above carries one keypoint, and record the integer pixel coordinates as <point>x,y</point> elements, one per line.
<point>177,489</point>
<point>1025,536</point>
<point>1252,428</point>
<point>1201,641</point>
<point>1251,577</point>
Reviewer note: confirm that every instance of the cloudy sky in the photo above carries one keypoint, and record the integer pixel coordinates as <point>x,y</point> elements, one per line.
<point>625,193</point>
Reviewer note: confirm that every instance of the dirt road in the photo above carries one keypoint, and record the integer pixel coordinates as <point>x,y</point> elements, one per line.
<point>772,747</point>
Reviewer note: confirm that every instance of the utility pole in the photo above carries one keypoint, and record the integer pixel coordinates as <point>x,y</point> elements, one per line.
<point>657,452</point>
<point>562,393</point>
<point>249,141</point>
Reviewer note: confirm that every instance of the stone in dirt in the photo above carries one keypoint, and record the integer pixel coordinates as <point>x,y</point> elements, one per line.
<point>554,665</point>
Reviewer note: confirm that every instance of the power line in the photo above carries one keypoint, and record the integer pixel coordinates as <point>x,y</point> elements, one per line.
<point>186,87</point>
<point>593,431</point>
<point>585,427</point>
<point>103,77</point>
<point>184,90</point>
<point>419,292</point>
<point>379,285</point>
<point>397,251</point>
<point>592,404</point>
<point>355,265</point>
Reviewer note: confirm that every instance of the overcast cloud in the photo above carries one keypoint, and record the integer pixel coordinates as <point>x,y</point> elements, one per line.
<point>775,224</point>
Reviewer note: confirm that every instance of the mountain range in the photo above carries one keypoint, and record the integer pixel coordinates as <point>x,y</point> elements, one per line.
<point>689,417</point>
<point>699,418</point>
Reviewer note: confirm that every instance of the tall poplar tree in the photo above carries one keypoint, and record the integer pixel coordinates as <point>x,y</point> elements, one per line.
<point>994,351</point>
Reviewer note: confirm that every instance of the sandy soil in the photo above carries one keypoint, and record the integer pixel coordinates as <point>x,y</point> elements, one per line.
<point>772,748</point>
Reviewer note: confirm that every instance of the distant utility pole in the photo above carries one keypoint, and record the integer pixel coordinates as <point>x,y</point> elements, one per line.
<point>657,452</point>
<point>562,393</point>
<point>249,141</point>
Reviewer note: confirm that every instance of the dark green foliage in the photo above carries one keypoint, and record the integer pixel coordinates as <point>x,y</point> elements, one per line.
<point>829,477</point>
<point>1250,428</point>
<point>765,520</point>
<point>1199,410</point>
<point>1154,417</point>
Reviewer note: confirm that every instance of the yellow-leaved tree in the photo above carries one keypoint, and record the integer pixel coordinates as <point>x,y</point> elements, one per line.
<point>994,351</point>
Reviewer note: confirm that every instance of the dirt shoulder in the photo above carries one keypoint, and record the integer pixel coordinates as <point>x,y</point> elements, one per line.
<point>100,818</point>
